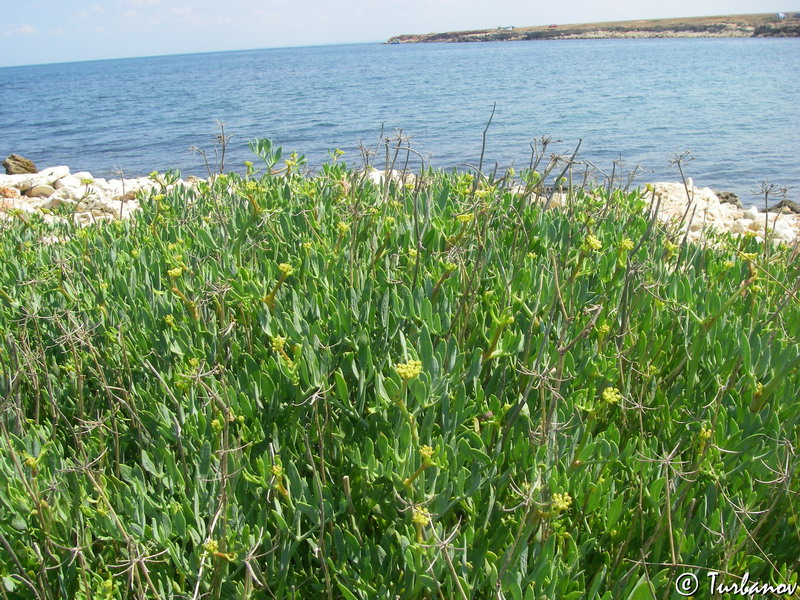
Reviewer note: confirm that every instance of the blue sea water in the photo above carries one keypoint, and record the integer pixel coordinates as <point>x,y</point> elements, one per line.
<point>733,103</point>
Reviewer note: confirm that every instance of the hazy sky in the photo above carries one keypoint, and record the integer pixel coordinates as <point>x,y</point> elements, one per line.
<point>45,31</point>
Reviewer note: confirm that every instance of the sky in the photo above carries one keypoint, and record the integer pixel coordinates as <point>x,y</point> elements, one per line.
<point>49,31</point>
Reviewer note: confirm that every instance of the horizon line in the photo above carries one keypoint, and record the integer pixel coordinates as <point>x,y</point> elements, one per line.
<point>143,56</point>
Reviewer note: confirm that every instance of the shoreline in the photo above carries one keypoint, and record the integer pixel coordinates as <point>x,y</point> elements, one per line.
<point>763,25</point>
<point>88,200</point>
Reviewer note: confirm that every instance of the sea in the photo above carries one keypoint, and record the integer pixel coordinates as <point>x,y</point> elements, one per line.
<point>728,108</point>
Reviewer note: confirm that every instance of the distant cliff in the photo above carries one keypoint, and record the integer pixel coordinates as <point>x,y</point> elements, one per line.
<point>761,25</point>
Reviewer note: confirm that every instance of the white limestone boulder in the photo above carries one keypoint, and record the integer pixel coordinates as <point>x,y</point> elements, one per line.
<point>40,191</point>
<point>53,174</point>
<point>784,231</point>
<point>741,226</point>
<point>70,181</point>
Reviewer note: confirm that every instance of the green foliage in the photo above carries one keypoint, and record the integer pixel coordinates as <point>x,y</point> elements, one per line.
<point>280,385</point>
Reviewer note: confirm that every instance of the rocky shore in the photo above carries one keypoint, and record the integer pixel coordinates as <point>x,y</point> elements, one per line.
<point>758,25</point>
<point>57,195</point>
<point>695,212</point>
<point>703,210</point>
<point>84,198</point>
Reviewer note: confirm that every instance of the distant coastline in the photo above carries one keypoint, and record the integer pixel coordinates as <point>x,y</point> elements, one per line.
<point>759,25</point>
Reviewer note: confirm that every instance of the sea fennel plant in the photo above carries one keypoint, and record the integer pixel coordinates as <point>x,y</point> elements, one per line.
<point>285,385</point>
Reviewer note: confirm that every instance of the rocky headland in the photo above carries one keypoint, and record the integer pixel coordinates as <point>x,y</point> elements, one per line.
<point>757,25</point>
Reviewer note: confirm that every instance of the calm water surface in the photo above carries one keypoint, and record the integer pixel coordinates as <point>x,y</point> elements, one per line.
<point>734,103</point>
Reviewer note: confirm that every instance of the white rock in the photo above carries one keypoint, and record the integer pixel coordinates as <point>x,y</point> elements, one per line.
<point>741,225</point>
<point>83,175</point>
<point>70,181</point>
<point>40,191</point>
<point>102,205</point>
<point>752,213</point>
<point>35,204</point>
<point>8,204</point>
<point>73,193</point>
<point>783,230</point>
<point>22,182</point>
<point>54,173</point>
<point>62,197</point>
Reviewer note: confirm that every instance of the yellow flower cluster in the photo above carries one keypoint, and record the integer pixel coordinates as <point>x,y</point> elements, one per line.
<point>277,470</point>
<point>176,272</point>
<point>286,269</point>
<point>421,517</point>
<point>604,330</point>
<point>705,433</point>
<point>409,370</point>
<point>342,227</point>
<point>561,502</point>
<point>412,253</point>
<point>465,218</point>
<point>169,320</point>
<point>426,452</point>
<point>250,188</point>
<point>612,395</point>
<point>591,243</point>
<point>626,245</point>
<point>278,342</point>
<point>211,546</point>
